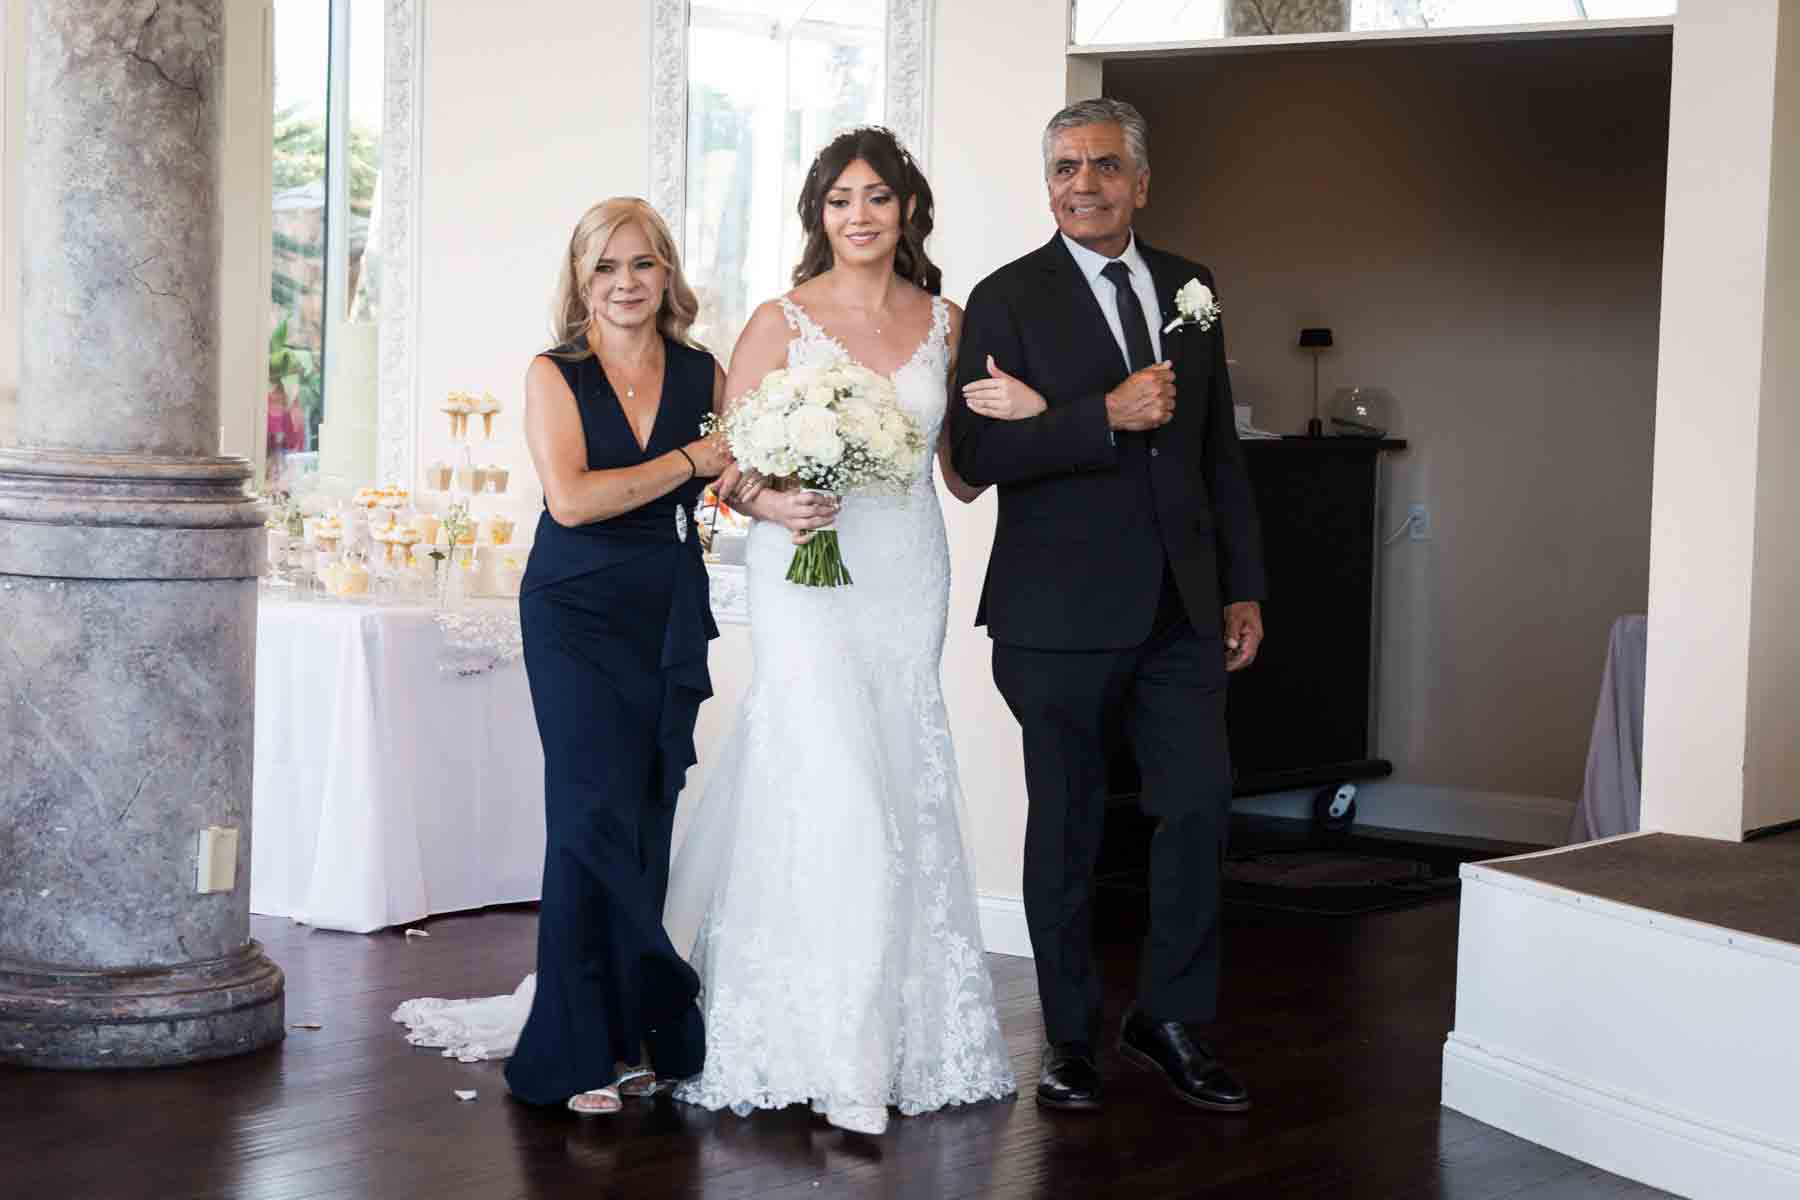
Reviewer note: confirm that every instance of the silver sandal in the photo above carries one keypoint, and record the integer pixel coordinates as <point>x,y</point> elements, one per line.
<point>609,1094</point>
<point>638,1083</point>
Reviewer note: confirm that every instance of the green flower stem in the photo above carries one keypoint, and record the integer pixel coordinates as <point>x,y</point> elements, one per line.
<point>818,563</point>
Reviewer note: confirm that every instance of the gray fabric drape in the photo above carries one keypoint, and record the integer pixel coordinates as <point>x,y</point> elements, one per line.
<point>1609,797</point>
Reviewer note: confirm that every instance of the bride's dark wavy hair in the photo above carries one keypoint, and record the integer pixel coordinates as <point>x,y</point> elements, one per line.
<point>887,158</point>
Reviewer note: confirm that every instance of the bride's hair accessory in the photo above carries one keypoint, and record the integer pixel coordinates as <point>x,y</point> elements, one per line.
<point>889,159</point>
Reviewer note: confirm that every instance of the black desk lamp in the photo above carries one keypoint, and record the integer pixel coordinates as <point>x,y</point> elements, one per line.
<point>1315,340</point>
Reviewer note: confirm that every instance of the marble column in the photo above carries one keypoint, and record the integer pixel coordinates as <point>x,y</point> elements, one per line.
<point>128,560</point>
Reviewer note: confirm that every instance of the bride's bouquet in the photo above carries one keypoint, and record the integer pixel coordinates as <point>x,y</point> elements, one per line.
<point>832,429</point>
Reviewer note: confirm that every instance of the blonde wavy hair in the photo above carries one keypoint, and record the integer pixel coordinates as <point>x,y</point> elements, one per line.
<point>570,316</point>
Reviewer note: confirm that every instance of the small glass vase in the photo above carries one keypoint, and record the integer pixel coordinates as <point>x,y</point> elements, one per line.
<point>449,582</point>
<point>1360,412</point>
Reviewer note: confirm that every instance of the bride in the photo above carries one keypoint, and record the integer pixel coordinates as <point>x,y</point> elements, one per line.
<point>823,876</point>
<point>822,884</point>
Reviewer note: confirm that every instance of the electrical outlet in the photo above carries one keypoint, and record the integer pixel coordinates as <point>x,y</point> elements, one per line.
<point>218,860</point>
<point>1418,523</point>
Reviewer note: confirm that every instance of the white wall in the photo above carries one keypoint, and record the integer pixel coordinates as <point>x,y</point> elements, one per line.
<point>245,251</point>
<point>986,171</point>
<point>1724,648</point>
<point>532,111</point>
<point>1772,752</point>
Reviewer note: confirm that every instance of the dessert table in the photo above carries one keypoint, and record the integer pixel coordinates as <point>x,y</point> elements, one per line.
<point>398,772</point>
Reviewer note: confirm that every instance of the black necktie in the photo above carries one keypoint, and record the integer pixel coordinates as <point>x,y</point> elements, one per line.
<point>1131,316</point>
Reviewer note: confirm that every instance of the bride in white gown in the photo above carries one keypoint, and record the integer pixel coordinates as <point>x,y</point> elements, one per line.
<point>822,884</point>
<point>823,877</point>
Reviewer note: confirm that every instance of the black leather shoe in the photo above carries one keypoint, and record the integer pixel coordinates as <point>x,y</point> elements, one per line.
<point>1068,1078</point>
<point>1193,1072</point>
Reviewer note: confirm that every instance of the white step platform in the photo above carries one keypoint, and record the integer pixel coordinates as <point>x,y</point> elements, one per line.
<point>1659,1047</point>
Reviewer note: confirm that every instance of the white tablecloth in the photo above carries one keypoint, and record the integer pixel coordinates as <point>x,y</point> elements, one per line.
<point>387,788</point>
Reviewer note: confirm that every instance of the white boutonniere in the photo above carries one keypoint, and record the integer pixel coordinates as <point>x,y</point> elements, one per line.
<point>1195,305</point>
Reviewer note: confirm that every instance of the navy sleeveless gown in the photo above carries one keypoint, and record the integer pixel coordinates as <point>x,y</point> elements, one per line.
<point>616,619</point>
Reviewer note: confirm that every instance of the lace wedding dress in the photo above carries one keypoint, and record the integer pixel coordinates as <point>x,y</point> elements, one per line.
<point>822,877</point>
<point>822,885</point>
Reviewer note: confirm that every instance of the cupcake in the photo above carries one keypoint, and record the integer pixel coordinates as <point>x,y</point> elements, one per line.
<point>458,406</point>
<point>437,476</point>
<point>328,533</point>
<point>487,406</point>
<point>497,477</point>
<point>500,530</point>
<point>353,579</point>
<point>426,526</point>
<point>465,477</point>
<point>479,479</point>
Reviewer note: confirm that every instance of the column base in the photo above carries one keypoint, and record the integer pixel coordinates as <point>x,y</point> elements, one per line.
<point>79,1020</point>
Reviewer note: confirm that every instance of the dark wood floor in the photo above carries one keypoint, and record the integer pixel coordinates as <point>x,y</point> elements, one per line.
<point>1337,1024</point>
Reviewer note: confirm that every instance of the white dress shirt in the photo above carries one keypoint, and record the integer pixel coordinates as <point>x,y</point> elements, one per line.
<point>1093,264</point>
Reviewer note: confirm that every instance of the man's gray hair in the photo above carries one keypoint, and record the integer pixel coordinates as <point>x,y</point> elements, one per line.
<point>1103,111</point>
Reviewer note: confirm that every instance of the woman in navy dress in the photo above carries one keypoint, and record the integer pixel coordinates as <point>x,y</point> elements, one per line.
<point>616,620</point>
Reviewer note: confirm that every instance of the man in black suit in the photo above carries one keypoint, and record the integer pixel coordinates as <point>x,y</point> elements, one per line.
<point>1124,583</point>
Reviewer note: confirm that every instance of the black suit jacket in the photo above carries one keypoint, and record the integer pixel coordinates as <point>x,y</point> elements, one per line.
<point>1087,518</point>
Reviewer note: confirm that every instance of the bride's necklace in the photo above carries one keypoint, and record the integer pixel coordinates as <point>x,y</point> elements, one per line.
<point>874,319</point>
<point>877,318</point>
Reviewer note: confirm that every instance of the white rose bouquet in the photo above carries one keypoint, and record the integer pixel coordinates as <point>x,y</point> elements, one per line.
<point>833,429</point>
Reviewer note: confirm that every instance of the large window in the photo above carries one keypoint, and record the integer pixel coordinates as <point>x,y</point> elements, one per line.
<point>324,296</point>
<point>1117,22</point>
<point>769,83</point>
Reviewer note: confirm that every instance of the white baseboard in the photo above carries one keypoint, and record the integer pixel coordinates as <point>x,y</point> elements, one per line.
<point>1614,1132</point>
<point>1422,808</point>
<point>1003,929</point>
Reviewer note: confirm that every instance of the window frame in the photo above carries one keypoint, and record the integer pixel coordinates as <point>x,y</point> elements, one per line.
<point>906,106</point>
